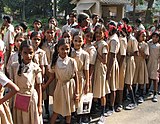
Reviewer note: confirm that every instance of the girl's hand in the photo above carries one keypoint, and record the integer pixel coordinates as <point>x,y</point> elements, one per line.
<point>76,97</point>
<point>43,87</point>
<point>40,110</point>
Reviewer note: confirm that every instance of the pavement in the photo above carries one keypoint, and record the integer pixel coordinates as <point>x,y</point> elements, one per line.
<point>145,113</point>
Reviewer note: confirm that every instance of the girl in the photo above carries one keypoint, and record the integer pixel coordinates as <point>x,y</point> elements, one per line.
<point>121,57</point>
<point>100,85</point>
<point>153,62</point>
<point>40,57</point>
<point>141,72</point>
<point>48,46</point>
<point>67,89</point>
<point>27,75</point>
<point>112,65</point>
<point>88,47</point>
<point>18,39</point>
<point>5,114</point>
<point>132,50</point>
<point>82,59</point>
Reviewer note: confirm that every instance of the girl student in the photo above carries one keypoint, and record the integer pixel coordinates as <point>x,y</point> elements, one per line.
<point>82,60</point>
<point>48,45</point>
<point>100,85</point>
<point>153,63</point>
<point>132,50</point>
<point>89,47</point>
<point>141,72</point>
<point>40,57</point>
<point>5,114</point>
<point>64,70</point>
<point>18,39</point>
<point>121,57</point>
<point>27,75</point>
<point>112,65</point>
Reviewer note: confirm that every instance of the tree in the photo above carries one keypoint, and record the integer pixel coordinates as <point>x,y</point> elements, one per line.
<point>149,12</point>
<point>65,6</point>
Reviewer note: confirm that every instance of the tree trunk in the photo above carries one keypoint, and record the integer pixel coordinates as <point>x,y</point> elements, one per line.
<point>149,17</point>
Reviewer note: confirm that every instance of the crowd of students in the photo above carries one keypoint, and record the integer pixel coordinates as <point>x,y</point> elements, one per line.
<point>115,61</point>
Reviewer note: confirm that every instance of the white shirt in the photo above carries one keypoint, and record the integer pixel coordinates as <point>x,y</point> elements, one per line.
<point>3,79</point>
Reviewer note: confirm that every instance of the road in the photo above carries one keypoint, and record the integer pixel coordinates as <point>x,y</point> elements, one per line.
<point>145,113</point>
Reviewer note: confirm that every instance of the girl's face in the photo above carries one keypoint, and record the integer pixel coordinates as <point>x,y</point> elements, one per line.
<point>18,41</point>
<point>88,37</point>
<point>18,30</point>
<point>78,42</point>
<point>63,50</point>
<point>99,34</point>
<point>142,37</point>
<point>37,25</point>
<point>36,40</point>
<point>50,34</point>
<point>27,54</point>
<point>67,35</point>
<point>155,38</point>
<point>53,21</point>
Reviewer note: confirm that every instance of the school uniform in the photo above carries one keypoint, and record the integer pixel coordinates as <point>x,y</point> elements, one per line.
<point>64,70</point>
<point>132,46</point>
<point>13,58</point>
<point>122,69</point>
<point>82,59</point>
<point>91,50</point>
<point>153,60</point>
<point>114,46</point>
<point>40,57</point>
<point>100,85</point>
<point>49,48</point>
<point>5,114</point>
<point>31,75</point>
<point>141,72</point>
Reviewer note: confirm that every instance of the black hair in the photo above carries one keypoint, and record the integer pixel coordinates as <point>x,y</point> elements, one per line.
<point>94,15</point>
<point>61,42</point>
<point>101,20</point>
<point>82,17</point>
<point>33,34</point>
<point>126,20</point>
<point>87,30</point>
<point>37,20</point>
<point>25,43</point>
<point>73,14</point>
<point>156,33</point>
<point>114,30</point>
<point>8,18</point>
<point>139,20</point>
<point>24,25</point>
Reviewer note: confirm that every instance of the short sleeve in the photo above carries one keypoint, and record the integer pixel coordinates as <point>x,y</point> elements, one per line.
<point>92,56</point>
<point>123,47</point>
<point>86,62</point>
<point>38,75</point>
<point>135,45</point>
<point>11,37</point>
<point>3,79</point>
<point>113,46</point>
<point>44,59</point>
<point>146,50</point>
<point>105,50</point>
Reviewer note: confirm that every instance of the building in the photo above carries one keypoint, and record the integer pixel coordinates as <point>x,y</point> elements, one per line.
<point>107,9</point>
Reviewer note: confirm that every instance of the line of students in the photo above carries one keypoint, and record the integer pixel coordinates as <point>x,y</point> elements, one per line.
<point>86,59</point>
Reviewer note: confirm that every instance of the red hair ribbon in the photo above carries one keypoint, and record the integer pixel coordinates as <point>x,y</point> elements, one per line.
<point>129,29</point>
<point>142,31</point>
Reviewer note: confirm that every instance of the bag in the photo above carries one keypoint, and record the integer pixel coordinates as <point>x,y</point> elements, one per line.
<point>85,103</point>
<point>22,102</point>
